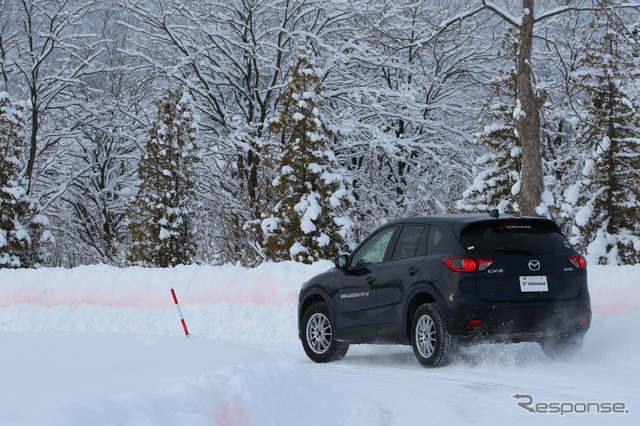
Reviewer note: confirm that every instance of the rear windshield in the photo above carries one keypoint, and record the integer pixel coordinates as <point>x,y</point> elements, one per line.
<point>514,237</point>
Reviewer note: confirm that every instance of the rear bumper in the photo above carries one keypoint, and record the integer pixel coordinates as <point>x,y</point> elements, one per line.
<point>522,323</point>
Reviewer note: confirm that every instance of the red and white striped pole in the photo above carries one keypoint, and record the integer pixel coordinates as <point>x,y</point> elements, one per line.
<point>184,324</point>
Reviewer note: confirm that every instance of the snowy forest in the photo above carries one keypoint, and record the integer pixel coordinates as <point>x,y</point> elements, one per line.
<point>166,132</point>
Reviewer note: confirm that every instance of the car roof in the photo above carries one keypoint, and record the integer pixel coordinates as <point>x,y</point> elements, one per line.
<point>459,221</point>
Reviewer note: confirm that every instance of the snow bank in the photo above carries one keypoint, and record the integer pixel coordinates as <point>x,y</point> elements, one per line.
<point>226,302</point>
<point>613,288</point>
<point>149,288</point>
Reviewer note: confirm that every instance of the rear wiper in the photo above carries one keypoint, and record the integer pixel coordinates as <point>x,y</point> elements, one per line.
<point>507,249</point>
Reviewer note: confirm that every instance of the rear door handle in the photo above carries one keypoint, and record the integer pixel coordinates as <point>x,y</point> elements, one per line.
<point>413,270</point>
<point>370,279</point>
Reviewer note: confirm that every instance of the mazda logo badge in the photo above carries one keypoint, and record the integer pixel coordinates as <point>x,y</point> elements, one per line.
<point>534,265</point>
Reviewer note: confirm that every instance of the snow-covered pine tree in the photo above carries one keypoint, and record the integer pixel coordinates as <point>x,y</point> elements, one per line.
<point>497,171</point>
<point>605,200</point>
<point>164,213</point>
<point>23,236</point>
<point>310,191</point>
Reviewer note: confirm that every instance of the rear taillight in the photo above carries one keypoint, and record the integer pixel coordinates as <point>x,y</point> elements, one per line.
<point>578,261</point>
<point>466,264</point>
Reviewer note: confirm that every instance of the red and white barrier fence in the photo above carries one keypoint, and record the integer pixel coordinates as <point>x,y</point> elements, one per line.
<point>184,324</point>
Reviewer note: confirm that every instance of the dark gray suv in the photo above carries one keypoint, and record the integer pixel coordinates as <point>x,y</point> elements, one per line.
<point>439,281</point>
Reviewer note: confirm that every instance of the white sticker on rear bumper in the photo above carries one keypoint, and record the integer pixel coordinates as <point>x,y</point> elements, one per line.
<point>534,283</point>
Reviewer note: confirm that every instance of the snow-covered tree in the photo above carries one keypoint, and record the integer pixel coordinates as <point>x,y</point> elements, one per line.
<point>47,50</point>
<point>529,23</point>
<point>111,122</point>
<point>605,200</point>
<point>232,56</point>
<point>46,53</point>
<point>164,213</point>
<point>22,228</point>
<point>497,171</point>
<point>310,192</point>
<point>405,108</point>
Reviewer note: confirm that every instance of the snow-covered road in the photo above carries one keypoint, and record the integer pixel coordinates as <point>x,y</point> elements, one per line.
<point>99,346</point>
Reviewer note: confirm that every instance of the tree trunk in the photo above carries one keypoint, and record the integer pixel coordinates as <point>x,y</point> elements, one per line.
<point>611,165</point>
<point>527,122</point>
<point>33,139</point>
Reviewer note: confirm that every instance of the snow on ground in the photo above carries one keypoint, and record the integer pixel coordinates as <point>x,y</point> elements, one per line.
<point>57,378</point>
<point>100,345</point>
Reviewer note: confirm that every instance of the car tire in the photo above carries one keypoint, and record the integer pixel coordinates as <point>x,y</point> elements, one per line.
<point>432,345</point>
<point>318,338</point>
<point>562,347</point>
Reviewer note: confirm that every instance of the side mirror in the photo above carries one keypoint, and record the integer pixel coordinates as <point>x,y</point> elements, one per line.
<point>341,261</point>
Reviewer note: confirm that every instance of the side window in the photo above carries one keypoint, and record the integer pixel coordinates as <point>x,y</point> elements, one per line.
<point>408,242</point>
<point>374,249</point>
<point>435,236</point>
